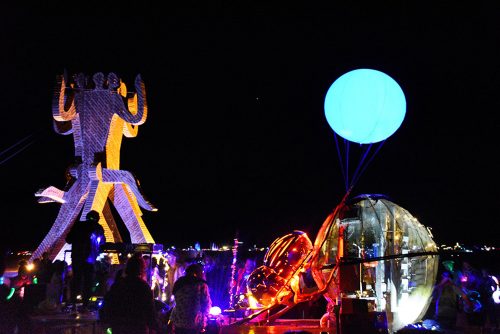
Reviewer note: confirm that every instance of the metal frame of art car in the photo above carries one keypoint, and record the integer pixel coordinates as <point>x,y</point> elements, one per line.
<point>371,260</point>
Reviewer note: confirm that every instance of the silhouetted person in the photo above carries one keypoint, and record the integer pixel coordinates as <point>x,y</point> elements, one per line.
<point>162,273</point>
<point>8,306</point>
<point>486,288</point>
<point>192,301</point>
<point>118,275</point>
<point>44,269</point>
<point>155,279</point>
<point>128,306</point>
<point>469,276</point>
<point>54,289</point>
<point>147,260</point>
<point>175,270</point>
<point>447,294</point>
<point>243,275</point>
<point>85,238</point>
<point>22,279</point>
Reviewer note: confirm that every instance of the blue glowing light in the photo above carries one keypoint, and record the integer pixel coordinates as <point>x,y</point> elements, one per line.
<point>365,106</point>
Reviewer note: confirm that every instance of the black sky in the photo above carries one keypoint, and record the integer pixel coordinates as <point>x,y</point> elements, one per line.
<point>236,142</point>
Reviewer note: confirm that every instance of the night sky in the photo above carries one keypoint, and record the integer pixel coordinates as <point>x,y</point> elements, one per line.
<point>236,143</point>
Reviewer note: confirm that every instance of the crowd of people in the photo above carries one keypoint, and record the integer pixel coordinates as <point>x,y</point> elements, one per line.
<point>171,294</point>
<point>127,294</point>
<point>462,298</point>
<point>143,293</point>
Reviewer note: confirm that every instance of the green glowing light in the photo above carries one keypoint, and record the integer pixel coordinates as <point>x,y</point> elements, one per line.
<point>12,290</point>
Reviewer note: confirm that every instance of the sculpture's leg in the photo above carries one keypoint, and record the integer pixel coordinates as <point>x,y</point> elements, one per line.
<point>128,209</point>
<point>123,176</point>
<point>98,191</point>
<point>110,220</point>
<point>110,223</point>
<point>68,213</point>
<point>98,201</point>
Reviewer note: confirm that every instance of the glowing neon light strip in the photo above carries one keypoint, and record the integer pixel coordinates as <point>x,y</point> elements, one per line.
<point>12,290</point>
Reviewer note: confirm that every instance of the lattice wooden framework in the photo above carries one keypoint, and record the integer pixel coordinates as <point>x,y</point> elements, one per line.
<point>98,113</point>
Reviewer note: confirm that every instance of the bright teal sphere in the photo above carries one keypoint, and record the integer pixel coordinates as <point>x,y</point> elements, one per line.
<point>365,106</point>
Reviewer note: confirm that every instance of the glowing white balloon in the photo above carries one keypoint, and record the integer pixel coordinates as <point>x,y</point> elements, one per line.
<point>365,106</point>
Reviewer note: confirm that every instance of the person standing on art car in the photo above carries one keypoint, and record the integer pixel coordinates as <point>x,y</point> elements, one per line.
<point>85,238</point>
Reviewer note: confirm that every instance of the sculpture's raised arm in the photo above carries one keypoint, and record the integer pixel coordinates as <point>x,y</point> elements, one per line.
<point>137,110</point>
<point>63,103</point>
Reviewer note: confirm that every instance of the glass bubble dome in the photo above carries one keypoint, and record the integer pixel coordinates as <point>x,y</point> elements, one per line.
<point>374,251</point>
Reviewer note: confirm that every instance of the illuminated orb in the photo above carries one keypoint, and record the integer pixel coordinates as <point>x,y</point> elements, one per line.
<point>365,106</point>
<point>372,229</point>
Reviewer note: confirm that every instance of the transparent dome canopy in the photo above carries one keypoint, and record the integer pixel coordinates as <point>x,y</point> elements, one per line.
<point>370,248</point>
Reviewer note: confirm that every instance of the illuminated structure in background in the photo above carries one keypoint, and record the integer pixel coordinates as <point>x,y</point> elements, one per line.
<point>97,113</point>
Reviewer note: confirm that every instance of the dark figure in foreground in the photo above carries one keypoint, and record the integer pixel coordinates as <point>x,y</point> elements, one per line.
<point>447,294</point>
<point>22,279</point>
<point>85,238</point>
<point>486,288</point>
<point>192,302</point>
<point>128,306</point>
<point>243,274</point>
<point>8,305</point>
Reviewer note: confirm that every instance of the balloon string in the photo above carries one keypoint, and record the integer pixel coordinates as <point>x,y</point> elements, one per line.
<point>362,165</point>
<point>347,147</point>
<point>369,161</point>
<point>339,154</point>
<point>355,176</point>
